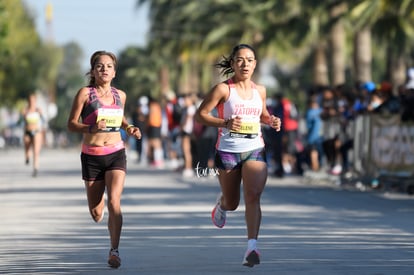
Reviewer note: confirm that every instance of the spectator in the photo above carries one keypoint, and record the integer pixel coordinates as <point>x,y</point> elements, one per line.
<point>276,137</point>
<point>313,134</point>
<point>407,101</point>
<point>331,124</point>
<point>205,140</point>
<point>390,103</point>
<point>173,112</point>
<point>290,127</point>
<point>187,126</point>
<point>139,118</point>
<point>154,149</point>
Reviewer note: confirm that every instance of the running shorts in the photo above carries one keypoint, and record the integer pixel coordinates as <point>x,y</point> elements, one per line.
<point>231,161</point>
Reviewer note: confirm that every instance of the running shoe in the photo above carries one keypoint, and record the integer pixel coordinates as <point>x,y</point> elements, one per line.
<point>218,216</point>
<point>251,258</point>
<point>188,173</point>
<point>114,260</point>
<point>336,170</point>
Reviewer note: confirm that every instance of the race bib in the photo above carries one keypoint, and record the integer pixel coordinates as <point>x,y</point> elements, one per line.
<point>247,130</point>
<point>113,118</point>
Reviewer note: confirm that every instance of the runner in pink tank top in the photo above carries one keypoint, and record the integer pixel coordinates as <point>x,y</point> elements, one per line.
<point>98,113</point>
<point>240,155</point>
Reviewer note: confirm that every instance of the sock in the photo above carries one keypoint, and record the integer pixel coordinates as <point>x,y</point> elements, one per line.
<point>252,244</point>
<point>220,210</point>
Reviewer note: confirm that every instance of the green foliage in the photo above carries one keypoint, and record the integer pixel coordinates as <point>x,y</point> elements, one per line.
<point>69,80</point>
<point>137,74</point>
<point>27,64</point>
<point>18,40</point>
<point>286,31</point>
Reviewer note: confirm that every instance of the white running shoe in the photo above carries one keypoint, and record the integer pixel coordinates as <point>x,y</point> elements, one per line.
<point>251,258</point>
<point>336,170</point>
<point>114,260</point>
<point>188,173</point>
<point>218,216</point>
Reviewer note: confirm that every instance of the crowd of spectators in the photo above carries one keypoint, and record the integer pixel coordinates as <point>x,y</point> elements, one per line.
<point>184,144</point>
<point>326,139</point>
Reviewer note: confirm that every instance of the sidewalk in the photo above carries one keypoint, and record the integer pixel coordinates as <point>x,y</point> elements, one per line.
<point>46,228</point>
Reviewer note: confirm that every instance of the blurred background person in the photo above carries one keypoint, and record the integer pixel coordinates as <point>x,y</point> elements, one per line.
<point>205,138</point>
<point>139,119</point>
<point>290,126</point>
<point>173,114</point>
<point>154,146</point>
<point>390,104</point>
<point>187,126</point>
<point>313,133</point>
<point>33,120</point>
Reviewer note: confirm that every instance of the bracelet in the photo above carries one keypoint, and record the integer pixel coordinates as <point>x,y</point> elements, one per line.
<point>129,126</point>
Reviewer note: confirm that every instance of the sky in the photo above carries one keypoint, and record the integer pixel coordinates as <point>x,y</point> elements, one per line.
<point>110,25</point>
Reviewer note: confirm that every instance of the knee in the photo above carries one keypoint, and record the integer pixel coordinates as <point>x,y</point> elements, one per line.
<point>252,197</point>
<point>97,215</point>
<point>232,207</point>
<point>114,206</point>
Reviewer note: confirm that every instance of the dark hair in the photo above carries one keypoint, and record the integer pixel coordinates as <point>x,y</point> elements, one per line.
<point>225,64</point>
<point>94,58</point>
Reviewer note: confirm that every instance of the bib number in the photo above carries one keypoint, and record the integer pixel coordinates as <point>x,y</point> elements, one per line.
<point>112,117</point>
<point>247,130</point>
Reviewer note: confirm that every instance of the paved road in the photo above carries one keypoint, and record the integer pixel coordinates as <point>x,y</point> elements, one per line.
<point>45,227</point>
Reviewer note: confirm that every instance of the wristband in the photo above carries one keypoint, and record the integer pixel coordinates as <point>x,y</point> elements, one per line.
<point>129,126</point>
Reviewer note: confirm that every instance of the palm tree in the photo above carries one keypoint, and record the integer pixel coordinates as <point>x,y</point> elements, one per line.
<point>338,42</point>
<point>391,24</point>
<point>188,36</point>
<point>362,55</point>
<point>199,32</point>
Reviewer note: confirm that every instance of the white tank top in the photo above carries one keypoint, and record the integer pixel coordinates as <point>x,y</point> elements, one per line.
<point>250,135</point>
<point>33,118</point>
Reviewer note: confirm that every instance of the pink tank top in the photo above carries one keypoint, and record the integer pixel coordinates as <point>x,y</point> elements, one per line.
<point>250,135</point>
<point>96,110</point>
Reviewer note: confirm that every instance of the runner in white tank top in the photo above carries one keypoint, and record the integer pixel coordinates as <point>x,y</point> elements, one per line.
<point>240,155</point>
<point>249,136</point>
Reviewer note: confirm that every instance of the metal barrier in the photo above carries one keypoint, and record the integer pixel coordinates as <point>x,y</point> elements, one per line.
<point>384,152</point>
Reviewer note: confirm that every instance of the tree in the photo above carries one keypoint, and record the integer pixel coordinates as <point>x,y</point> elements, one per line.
<point>27,64</point>
<point>189,36</point>
<point>391,24</point>
<point>137,74</point>
<point>68,81</point>
<point>19,41</point>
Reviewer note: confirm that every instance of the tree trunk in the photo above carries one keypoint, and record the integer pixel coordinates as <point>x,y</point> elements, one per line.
<point>396,69</point>
<point>165,80</point>
<point>338,54</point>
<point>363,55</point>
<point>320,66</point>
<point>399,71</point>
